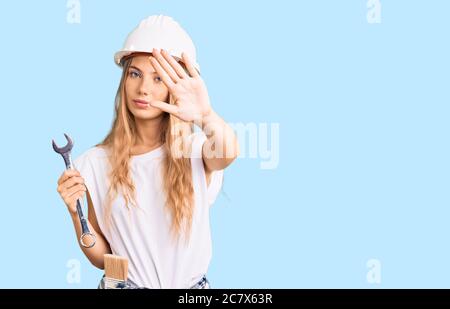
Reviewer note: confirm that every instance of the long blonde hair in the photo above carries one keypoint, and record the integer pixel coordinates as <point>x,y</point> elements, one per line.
<point>177,173</point>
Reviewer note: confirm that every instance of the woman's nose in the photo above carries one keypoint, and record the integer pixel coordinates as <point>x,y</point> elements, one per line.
<point>145,87</point>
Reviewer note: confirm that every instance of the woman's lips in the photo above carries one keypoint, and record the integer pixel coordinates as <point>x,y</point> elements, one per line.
<point>141,103</point>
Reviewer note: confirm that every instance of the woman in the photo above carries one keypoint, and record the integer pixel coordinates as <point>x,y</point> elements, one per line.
<point>150,182</point>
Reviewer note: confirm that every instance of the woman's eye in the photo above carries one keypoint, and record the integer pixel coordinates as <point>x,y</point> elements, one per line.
<point>158,79</point>
<point>134,74</point>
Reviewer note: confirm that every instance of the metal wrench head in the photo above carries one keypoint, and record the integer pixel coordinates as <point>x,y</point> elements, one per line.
<point>65,149</point>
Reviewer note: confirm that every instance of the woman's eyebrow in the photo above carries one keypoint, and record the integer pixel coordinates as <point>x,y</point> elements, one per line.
<point>136,68</point>
<point>133,67</point>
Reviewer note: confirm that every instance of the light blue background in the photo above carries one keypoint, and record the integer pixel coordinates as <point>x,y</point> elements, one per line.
<point>363,111</point>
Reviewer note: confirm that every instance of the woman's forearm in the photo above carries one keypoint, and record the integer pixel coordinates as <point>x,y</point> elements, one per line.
<point>222,137</point>
<point>101,247</point>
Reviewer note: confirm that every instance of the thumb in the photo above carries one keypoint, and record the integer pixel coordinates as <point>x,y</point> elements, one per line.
<point>169,108</point>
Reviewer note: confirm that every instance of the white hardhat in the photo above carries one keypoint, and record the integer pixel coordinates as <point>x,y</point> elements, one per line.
<point>160,32</point>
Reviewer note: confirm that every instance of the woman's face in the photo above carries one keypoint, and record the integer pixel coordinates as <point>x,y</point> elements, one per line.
<point>143,85</point>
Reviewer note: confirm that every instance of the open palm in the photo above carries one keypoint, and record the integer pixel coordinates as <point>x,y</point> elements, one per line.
<point>188,90</point>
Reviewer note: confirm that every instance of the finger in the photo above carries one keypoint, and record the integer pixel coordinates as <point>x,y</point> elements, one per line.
<point>74,180</point>
<point>70,182</point>
<point>174,64</point>
<point>63,177</point>
<point>192,70</point>
<point>169,108</point>
<point>68,192</point>
<point>79,192</point>
<point>72,201</point>
<point>164,66</point>
<point>73,190</point>
<point>165,78</point>
<point>67,174</point>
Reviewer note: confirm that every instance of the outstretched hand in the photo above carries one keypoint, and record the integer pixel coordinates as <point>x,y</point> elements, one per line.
<point>188,90</point>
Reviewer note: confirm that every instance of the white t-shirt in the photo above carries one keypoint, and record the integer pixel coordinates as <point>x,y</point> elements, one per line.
<point>142,234</point>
